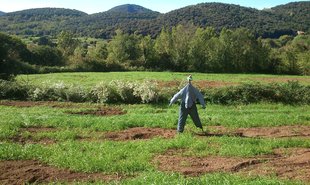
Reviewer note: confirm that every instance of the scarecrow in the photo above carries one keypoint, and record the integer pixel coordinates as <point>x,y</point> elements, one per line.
<point>188,95</point>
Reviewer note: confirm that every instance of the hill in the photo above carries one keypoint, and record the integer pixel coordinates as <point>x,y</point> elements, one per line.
<point>129,18</point>
<point>219,15</point>
<point>270,23</point>
<point>297,13</point>
<point>130,8</point>
<point>40,21</point>
<point>2,13</point>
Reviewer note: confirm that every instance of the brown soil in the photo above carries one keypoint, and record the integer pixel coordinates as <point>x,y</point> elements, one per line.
<point>29,139</point>
<point>35,130</point>
<point>202,84</point>
<point>281,79</point>
<point>262,132</point>
<point>29,171</point>
<point>293,165</point>
<point>140,133</point>
<point>106,111</point>
<point>22,103</point>
<point>52,104</point>
<point>195,166</point>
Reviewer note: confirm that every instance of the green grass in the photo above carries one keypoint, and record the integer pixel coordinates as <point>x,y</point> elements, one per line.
<point>90,79</point>
<point>133,157</point>
<point>252,115</point>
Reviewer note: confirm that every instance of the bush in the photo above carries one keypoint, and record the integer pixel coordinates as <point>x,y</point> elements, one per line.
<point>148,92</point>
<point>104,93</point>
<point>13,90</point>
<point>58,92</point>
<point>288,93</point>
<point>125,90</point>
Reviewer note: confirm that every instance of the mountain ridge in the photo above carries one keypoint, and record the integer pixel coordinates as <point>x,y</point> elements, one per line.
<point>273,22</point>
<point>130,8</point>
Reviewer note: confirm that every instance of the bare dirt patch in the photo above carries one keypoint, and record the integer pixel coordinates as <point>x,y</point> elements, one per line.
<point>195,166</point>
<point>140,133</point>
<point>53,104</point>
<point>36,130</point>
<point>260,132</point>
<point>202,84</point>
<point>106,111</point>
<point>22,103</point>
<point>281,79</point>
<point>291,163</point>
<point>30,139</point>
<point>29,171</point>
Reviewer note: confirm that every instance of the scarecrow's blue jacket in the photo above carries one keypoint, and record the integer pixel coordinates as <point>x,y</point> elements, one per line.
<point>188,95</point>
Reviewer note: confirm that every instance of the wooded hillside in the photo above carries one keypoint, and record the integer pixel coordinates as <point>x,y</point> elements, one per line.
<point>268,23</point>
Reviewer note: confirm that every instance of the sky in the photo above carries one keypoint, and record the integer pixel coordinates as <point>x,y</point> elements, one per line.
<point>96,6</point>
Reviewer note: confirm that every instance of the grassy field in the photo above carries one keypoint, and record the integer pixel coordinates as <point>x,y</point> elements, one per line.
<point>134,157</point>
<point>64,136</point>
<point>90,79</point>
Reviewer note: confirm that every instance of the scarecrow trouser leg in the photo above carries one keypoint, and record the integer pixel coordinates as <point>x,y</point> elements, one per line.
<point>195,117</point>
<point>182,118</point>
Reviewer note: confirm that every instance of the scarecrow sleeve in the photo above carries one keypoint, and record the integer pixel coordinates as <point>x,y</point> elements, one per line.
<point>176,97</point>
<point>200,98</point>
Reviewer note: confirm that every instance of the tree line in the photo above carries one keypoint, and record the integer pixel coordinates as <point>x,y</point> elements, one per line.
<point>182,48</point>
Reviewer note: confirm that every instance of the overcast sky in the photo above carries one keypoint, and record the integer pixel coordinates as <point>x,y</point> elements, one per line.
<point>95,6</point>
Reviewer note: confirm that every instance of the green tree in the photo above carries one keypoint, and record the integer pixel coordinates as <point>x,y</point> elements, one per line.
<point>181,38</point>
<point>47,56</point>
<point>67,43</point>
<point>99,52</point>
<point>148,54</point>
<point>200,49</point>
<point>243,52</point>
<point>14,56</point>
<point>163,47</point>
<point>124,49</point>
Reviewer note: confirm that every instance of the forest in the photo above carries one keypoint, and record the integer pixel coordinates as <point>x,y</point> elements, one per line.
<point>182,48</point>
<point>267,23</point>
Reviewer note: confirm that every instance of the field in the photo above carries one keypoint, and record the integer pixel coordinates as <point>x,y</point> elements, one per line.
<point>93,143</point>
<point>90,79</point>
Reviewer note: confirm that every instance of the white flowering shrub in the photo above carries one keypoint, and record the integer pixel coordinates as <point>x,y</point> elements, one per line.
<point>58,92</point>
<point>76,94</point>
<point>44,92</point>
<point>125,90</point>
<point>147,91</point>
<point>104,93</point>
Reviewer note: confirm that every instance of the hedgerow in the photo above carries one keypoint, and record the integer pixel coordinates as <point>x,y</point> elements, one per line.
<point>118,91</point>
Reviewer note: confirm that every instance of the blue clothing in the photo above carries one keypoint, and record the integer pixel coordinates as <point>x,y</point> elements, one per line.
<point>188,95</point>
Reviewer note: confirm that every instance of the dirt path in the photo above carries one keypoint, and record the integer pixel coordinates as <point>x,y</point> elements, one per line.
<point>30,171</point>
<point>284,163</point>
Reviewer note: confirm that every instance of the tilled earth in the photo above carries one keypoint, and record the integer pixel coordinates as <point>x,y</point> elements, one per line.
<point>31,171</point>
<point>293,163</point>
